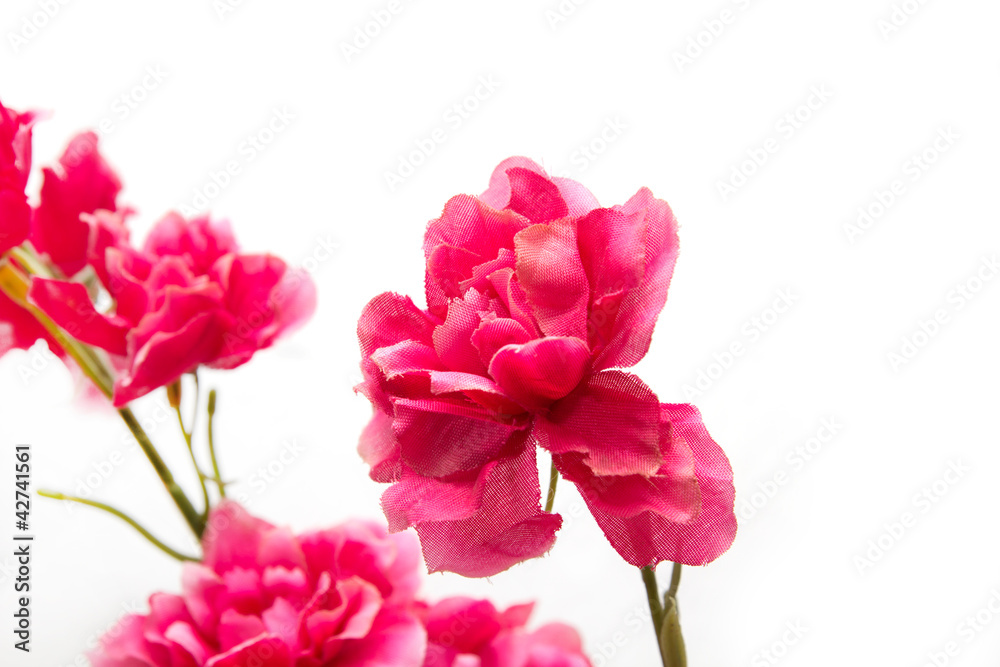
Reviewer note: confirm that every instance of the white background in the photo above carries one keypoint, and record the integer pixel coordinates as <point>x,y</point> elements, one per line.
<point>684,127</point>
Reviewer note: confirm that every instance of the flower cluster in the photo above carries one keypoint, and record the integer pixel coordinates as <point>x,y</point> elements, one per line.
<point>537,297</point>
<point>340,597</point>
<point>188,297</point>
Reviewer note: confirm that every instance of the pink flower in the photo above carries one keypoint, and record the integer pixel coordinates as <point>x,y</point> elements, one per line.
<point>189,298</point>
<point>15,165</point>
<point>536,298</point>
<point>264,597</point>
<point>83,183</point>
<point>462,632</point>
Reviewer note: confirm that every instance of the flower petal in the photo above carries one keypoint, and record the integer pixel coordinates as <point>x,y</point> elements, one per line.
<point>544,370</point>
<point>551,273</point>
<point>69,306</point>
<point>613,419</point>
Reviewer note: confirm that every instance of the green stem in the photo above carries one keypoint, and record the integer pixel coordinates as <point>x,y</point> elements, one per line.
<point>194,459</point>
<point>124,517</point>
<point>655,609</point>
<point>211,443</point>
<point>550,499</point>
<point>176,492</point>
<point>675,582</point>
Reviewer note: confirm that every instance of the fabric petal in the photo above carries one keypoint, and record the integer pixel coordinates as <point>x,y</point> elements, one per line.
<point>550,271</point>
<point>613,419</point>
<point>649,538</point>
<point>544,370</point>
<point>635,314</point>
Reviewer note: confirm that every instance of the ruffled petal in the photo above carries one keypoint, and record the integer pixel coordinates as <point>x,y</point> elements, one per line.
<point>612,418</point>
<point>69,306</point>
<point>544,370</point>
<point>550,271</point>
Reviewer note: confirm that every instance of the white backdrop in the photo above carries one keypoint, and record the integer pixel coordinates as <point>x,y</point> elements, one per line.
<point>833,167</point>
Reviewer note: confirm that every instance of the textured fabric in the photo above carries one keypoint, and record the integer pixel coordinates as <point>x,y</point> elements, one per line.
<point>536,298</point>
<point>188,299</point>
<point>462,631</point>
<point>343,596</point>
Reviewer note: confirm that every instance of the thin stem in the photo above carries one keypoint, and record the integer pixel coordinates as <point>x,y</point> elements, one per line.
<point>194,460</point>
<point>550,499</point>
<point>655,609</point>
<point>15,285</point>
<point>211,443</point>
<point>177,493</point>
<point>124,517</point>
<point>675,582</point>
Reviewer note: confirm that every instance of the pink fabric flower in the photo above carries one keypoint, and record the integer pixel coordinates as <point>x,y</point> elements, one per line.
<point>536,298</point>
<point>189,298</point>
<point>15,165</point>
<point>82,183</point>
<point>462,632</point>
<point>263,597</point>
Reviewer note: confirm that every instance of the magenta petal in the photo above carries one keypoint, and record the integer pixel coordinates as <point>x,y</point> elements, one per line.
<point>15,219</point>
<point>200,241</point>
<point>69,306</point>
<point>453,338</point>
<point>613,419</point>
<point>252,652</point>
<point>407,356</point>
<point>416,499</point>
<point>467,235</point>
<point>636,314</point>
<point>389,319</point>
<point>84,184</point>
<point>482,390</point>
<point>379,448</point>
<point>437,438</point>
<point>508,528</point>
<point>550,271</point>
<point>496,332</point>
<point>464,624</point>
<point>649,538</point>
<point>534,196</point>
<point>397,640</point>
<point>536,373</point>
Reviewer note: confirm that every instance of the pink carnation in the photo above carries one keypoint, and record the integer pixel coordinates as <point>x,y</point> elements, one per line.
<point>462,632</point>
<point>536,297</point>
<point>264,597</point>
<point>189,298</point>
<point>15,166</point>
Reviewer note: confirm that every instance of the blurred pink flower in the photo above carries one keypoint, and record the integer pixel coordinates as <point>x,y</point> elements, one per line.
<point>263,597</point>
<point>462,632</point>
<point>189,298</point>
<point>15,166</point>
<point>83,183</point>
<point>536,297</point>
